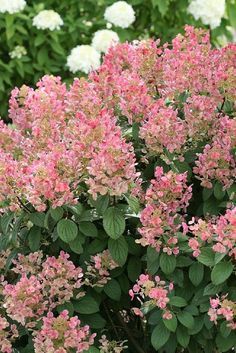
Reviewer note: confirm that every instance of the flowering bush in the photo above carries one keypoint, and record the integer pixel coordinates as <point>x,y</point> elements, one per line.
<point>118,206</point>
<point>66,37</point>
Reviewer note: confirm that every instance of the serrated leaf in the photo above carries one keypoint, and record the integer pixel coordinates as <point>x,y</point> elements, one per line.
<point>182,336</point>
<point>221,272</point>
<point>196,273</point>
<point>37,218</point>
<point>118,249</point>
<point>57,213</point>
<point>89,229</point>
<point>34,238</point>
<point>167,263</point>
<point>112,289</point>
<point>186,319</point>
<point>86,305</point>
<point>171,324</point>
<point>67,230</point>
<point>160,336</point>
<point>207,257</point>
<point>178,301</point>
<point>113,222</point>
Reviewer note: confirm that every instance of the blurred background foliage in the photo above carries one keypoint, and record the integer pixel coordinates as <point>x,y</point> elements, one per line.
<point>47,51</point>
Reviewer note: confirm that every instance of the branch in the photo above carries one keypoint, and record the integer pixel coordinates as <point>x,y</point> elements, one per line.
<point>130,336</point>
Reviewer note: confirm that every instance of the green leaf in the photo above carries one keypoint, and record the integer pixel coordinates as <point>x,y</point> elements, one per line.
<point>186,319</point>
<point>118,249</point>
<point>231,10</point>
<point>112,289</point>
<point>101,203</point>
<point>95,321</point>
<point>57,213</point>
<point>113,222</point>
<point>221,272</point>
<point>66,306</point>
<point>34,238</point>
<point>196,273</point>
<point>6,220</point>
<point>182,336</point>
<point>163,6</point>
<point>206,193</point>
<point>67,230</point>
<point>207,257</point>
<point>225,343</point>
<point>86,305</point>
<point>225,329</point>
<point>160,336</point>
<point>133,203</point>
<point>219,193</point>
<point>171,324</point>
<point>210,207</point>
<point>178,301</point>
<point>89,229</point>
<point>76,246</point>
<point>167,263</point>
<point>211,289</point>
<point>37,218</point>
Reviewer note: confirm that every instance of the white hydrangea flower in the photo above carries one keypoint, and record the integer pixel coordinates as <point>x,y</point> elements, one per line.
<point>18,52</point>
<point>103,39</point>
<point>48,19</point>
<point>83,58</point>
<point>12,6</point>
<point>120,13</point>
<point>209,11</point>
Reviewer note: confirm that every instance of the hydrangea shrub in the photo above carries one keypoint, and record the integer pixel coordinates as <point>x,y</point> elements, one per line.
<point>48,37</point>
<point>118,215</point>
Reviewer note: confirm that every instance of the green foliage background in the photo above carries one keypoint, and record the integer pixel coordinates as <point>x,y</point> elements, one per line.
<point>47,51</point>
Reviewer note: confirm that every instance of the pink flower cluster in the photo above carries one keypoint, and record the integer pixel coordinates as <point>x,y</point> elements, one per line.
<point>56,143</point>
<point>98,270</point>
<point>223,308</point>
<point>7,334</point>
<point>62,334</point>
<point>219,232</point>
<point>177,94</point>
<point>53,282</point>
<point>165,198</point>
<point>155,291</point>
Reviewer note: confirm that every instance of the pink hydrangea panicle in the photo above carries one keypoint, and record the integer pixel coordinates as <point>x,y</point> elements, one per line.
<point>223,308</point>
<point>62,334</point>
<point>8,333</point>
<point>154,292</point>
<point>167,195</point>
<point>98,270</point>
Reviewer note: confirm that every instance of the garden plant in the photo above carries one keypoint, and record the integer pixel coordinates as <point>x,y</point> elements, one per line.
<point>38,37</point>
<point>118,214</point>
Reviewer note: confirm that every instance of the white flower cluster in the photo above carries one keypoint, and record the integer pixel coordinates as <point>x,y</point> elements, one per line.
<point>48,19</point>
<point>12,6</point>
<point>120,14</point>
<point>210,12</point>
<point>18,52</point>
<point>103,39</point>
<point>83,58</point>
